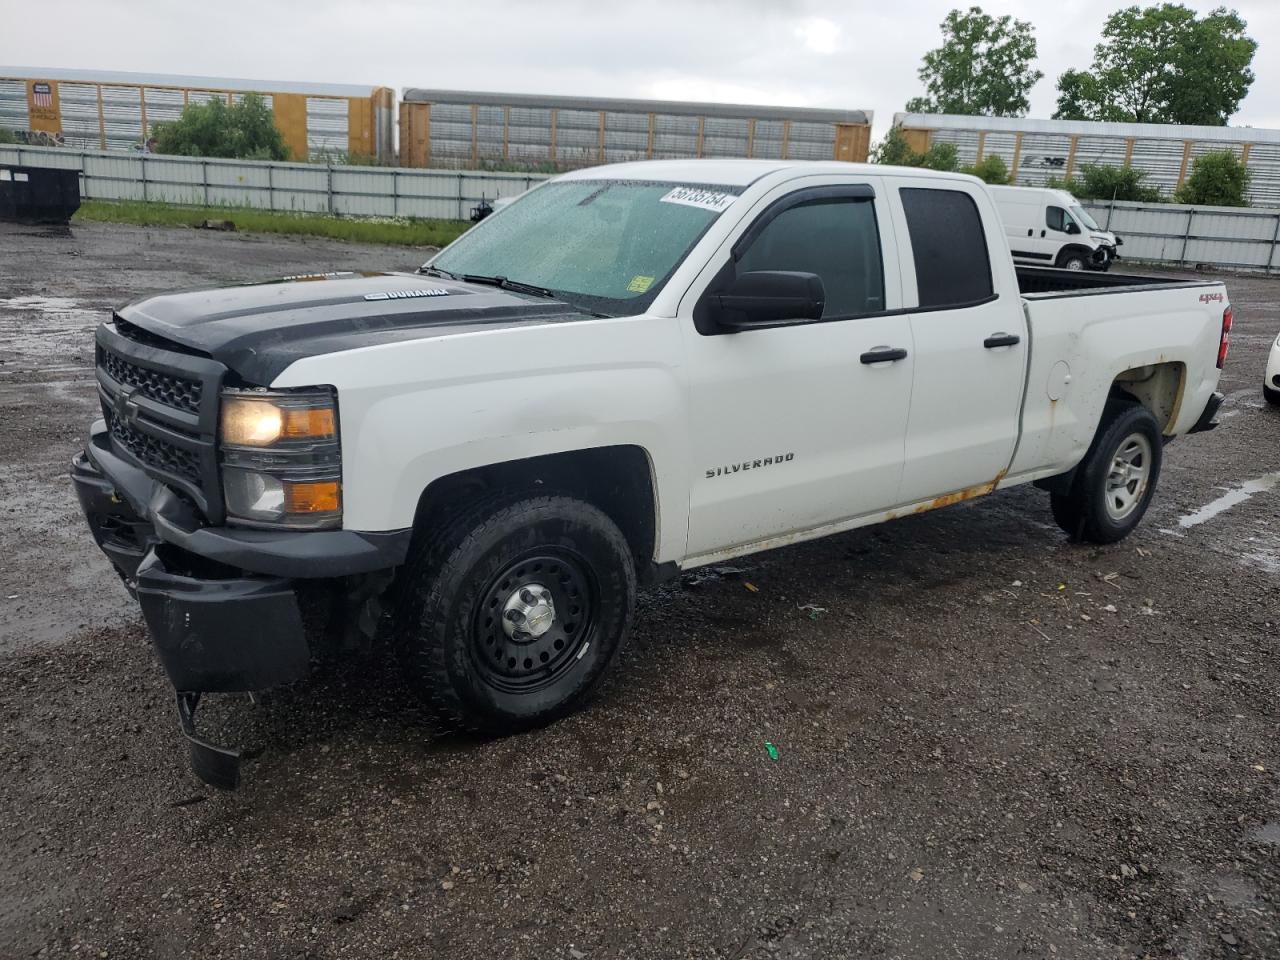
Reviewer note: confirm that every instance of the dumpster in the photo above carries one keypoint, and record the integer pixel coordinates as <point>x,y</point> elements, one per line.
<point>38,194</point>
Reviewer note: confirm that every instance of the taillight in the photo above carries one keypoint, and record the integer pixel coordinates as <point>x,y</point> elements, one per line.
<point>1225,342</point>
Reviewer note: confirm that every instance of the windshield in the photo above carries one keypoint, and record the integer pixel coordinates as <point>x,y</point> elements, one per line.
<point>1081,214</point>
<point>608,246</point>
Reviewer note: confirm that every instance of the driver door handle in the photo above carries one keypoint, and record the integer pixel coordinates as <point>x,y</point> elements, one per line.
<point>884,355</point>
<point>1001,340</point>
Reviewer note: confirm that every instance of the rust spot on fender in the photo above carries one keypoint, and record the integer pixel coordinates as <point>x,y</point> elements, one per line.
<point>968,493</point>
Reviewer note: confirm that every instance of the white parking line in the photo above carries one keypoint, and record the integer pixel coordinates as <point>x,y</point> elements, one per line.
<point>1230,499</point>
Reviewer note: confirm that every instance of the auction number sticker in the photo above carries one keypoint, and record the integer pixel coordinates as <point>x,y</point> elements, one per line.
<point>697,197</point>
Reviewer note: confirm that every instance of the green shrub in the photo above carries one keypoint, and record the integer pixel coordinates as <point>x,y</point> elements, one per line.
<point>895,151</point>
<point>990,169</point>
<point>245,131</point>
<point>1217,179</point>
<point>6,136</point>
<point>1100,182</point>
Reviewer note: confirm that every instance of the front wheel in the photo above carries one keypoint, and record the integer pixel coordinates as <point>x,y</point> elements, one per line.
<point>1271,396</point>
<point>515,610</point>
<point>1117,478</point>
<point>1072,261</point>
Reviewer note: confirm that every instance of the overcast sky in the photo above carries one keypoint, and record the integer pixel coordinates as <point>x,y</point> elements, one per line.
<point>790,52</point>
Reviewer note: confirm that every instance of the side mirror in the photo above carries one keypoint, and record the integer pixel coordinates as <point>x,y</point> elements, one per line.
<point>1073,227</point>
<point>769,298</point>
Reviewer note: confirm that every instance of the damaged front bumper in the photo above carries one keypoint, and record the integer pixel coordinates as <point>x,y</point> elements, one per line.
<point>221,603</point>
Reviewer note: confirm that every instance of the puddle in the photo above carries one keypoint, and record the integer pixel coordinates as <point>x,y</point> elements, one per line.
<point>60,308</point>
<point>45,333</point>
<point>1230,499</point>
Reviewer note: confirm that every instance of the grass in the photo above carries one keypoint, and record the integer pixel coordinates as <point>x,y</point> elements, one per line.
<point>401,232</point>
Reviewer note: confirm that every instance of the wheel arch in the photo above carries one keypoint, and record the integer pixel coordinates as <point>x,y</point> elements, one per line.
<point>1157,386</point>
<point>1074,248</point>
<point>620,480</point>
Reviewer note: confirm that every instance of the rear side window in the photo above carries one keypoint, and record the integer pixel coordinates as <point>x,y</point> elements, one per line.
<point>838,240</point>
<point>953,268</point>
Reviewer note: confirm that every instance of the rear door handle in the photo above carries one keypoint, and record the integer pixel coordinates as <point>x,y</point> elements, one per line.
<point>1001,340</point>
<point>883,355</point>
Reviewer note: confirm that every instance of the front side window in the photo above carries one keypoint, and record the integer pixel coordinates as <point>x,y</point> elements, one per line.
<point>605,245</point>
<point>838,239</point>
<point>1058,219</point>
<point>949,246</point>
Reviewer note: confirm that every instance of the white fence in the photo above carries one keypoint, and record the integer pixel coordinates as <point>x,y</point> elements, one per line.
<point>1236,238</point>
<point>1233,238</point>
<point>298,187</point>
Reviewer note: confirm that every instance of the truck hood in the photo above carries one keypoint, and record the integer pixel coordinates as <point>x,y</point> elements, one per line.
<point>257,330</point>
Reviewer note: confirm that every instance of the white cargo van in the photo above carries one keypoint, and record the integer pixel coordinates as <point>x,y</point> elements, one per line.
<point>1051,228</point>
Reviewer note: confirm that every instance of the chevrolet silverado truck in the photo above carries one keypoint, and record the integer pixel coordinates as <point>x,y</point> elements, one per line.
<point>631,371</point>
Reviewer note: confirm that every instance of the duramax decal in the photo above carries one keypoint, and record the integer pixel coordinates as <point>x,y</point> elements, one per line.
<point>749,465</point>
<point>408,294</point>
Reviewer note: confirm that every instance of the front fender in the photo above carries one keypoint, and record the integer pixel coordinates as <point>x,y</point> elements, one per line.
<point>412,413</point>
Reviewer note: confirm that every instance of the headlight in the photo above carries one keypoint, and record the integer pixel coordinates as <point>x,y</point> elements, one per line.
<point>281,458</point>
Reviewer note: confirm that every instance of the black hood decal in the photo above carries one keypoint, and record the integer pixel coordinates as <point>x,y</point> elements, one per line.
<point>257,330</point>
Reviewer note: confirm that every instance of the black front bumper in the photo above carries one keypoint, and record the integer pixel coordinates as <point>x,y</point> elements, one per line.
<point>221,603</point>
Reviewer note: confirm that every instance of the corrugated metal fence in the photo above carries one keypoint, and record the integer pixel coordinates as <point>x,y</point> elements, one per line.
<point>1238,238</point>
<point>294,187</point>
<point>1235,238</point>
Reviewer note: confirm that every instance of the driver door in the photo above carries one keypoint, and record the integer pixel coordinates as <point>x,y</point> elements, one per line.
<point>795,426</point>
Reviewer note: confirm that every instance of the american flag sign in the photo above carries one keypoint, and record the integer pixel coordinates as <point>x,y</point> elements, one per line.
<point>42,94</point>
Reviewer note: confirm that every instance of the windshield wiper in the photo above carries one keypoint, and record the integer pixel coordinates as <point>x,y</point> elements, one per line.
<point>436,272</point>
<point>505,283</point>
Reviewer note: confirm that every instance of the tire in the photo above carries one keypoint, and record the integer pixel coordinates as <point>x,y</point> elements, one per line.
<point>474,587</point>
<point>1072,261</point>
<point>1271,396</point>
<point>1104,505</point>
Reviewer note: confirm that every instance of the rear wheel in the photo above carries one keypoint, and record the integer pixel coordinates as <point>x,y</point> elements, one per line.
<point>1117,478</point>
<point>514,611</point>
<point>1270,395</point>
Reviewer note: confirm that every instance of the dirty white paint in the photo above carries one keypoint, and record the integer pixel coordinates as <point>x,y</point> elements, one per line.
<point>1230,499</point>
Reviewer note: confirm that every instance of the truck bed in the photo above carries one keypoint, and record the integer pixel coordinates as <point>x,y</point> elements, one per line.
<point>1042,281</point>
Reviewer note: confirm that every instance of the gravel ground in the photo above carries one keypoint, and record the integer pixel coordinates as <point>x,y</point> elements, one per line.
<point>990,743</point>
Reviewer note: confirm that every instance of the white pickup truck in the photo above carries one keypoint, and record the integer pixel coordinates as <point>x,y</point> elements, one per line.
<point>630,371</point>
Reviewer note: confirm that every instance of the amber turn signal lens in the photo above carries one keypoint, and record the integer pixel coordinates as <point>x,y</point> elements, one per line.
<point>308,424</point>
<point>304,498</point>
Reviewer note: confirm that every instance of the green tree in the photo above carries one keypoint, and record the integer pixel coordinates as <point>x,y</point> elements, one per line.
<point>983,68</point>
<point>895,151</point>
<point>245,131</point>
<point>6,136</point>
<point>1162,65</point>
<point>990,169</point>
<point>1217,179</point>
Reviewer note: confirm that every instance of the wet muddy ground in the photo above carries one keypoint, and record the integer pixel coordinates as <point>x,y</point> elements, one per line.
<point>989,742</point>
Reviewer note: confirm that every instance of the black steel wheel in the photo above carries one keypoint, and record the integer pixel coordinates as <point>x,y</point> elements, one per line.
<point>512,612</point>
<point>534,620</point>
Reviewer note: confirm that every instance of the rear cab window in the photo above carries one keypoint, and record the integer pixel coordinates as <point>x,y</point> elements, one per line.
<point>949,248</point>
